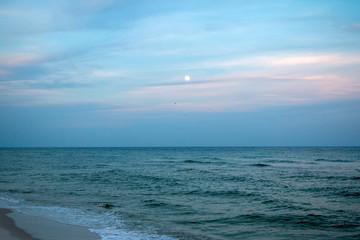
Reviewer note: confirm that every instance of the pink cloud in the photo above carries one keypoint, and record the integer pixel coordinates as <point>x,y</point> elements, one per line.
<point>239,93</point>
<point>264,62</point>
<point>308,59</point>
<point>18,59</point>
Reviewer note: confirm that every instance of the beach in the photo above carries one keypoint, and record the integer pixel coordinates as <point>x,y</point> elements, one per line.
<point>180,193</point>
<point>17,226</point>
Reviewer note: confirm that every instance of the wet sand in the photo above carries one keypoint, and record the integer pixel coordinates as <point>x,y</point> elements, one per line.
<point>8,229</point>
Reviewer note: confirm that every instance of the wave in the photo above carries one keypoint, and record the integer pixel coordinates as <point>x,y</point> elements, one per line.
<point>314,221</point>
<point>234,178</point>
<point>21,191</point>
<point>195,161</point>
<point>282,161</point>
<point>350,194</point>
<point>8,199</point>
<point>260,165</point>
<point>108,225</point>
<point>332,160</point>
<point>154,204</point>
<point>106,205</point>
<point>223,193</point>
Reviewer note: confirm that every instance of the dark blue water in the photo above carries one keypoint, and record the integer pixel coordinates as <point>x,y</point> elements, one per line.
<point>190,193</point>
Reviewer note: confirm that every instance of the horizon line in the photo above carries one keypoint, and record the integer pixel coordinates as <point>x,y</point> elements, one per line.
<point>264,146</point>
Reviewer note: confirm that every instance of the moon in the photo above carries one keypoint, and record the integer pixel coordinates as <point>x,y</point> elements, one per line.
<point>187,78</point>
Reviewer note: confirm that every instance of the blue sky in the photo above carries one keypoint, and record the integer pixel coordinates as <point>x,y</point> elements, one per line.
<point>111,73</point>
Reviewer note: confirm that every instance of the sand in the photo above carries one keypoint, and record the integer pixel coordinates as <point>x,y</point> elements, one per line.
<point>17,226</point>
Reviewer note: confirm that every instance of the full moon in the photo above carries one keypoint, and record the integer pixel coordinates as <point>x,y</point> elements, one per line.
<point>187,78</point>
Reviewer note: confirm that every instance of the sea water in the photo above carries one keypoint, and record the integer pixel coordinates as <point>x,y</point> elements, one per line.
<point>189,193</point>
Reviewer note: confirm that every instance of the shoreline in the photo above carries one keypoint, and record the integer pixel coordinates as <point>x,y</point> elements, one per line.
<point>18,226</point>
<point>8,228</point>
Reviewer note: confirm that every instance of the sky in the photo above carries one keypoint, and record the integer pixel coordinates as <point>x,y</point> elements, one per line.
<point>106,73</point>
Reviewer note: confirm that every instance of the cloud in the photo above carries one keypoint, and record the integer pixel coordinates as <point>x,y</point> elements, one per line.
<point>121,54</point>
<point>13,96</point>
<point>23,65</point>
<point>93,6</point>
<point>271,61</point>
<point>241,93</point>
<point>353,27</point>
<point>19,59</point>
<point>102,73</point>
<point>317,59</point>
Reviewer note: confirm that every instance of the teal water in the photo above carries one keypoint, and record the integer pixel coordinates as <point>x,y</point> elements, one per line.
<point>190,193</point>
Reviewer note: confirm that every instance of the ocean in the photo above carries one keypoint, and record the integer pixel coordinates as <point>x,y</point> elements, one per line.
<point>189,193</point>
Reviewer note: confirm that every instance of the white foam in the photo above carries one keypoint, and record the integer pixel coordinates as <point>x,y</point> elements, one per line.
<point>68,215</point>
<point>8,200</point>
<point>107,224</point>
<point>116,234</point>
